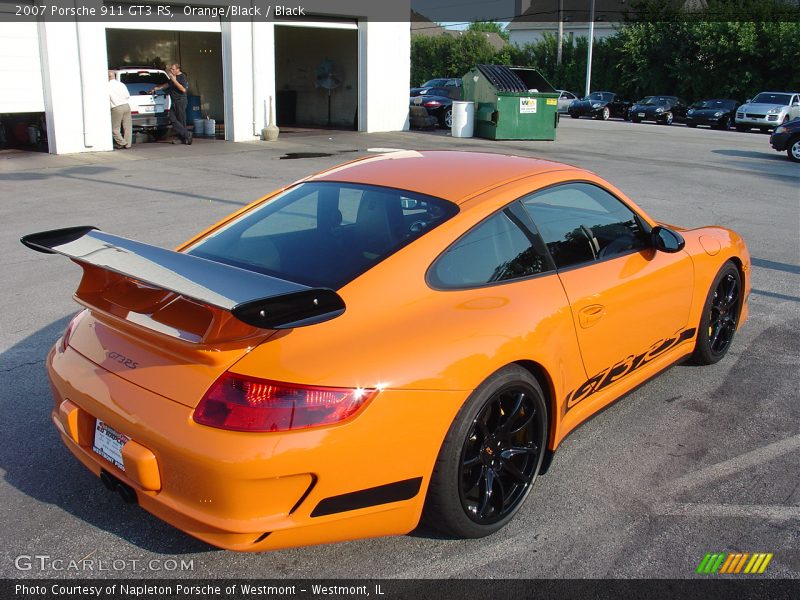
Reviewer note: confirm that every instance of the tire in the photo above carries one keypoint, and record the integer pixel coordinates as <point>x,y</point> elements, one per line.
<point>741,128</point>
<point>667,118</point>
<point>604,114</point>
<point>793,149</point>
<point>485,469</point>
<point>447,118</point>
<point>720,316</point>
<point>723,124</point>
<point>573,115</point>
<point>636,119</point>
<point>692,125</point>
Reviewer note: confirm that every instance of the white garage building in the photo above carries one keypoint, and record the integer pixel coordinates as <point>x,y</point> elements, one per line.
<point>54,72</point>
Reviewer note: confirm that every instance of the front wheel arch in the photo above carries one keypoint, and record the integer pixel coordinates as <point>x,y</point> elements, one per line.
<point>717,321</point>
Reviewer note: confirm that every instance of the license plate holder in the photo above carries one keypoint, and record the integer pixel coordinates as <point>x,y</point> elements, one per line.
<point>641,114</point>
<point>108,443</point>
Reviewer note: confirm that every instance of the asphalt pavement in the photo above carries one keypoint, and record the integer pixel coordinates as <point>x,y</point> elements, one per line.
<point>698,460</point>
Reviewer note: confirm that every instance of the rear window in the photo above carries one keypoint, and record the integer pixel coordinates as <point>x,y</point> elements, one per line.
<point>141,82</point>
<point>324,233</point>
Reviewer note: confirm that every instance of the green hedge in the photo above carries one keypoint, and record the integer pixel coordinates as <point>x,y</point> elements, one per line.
<point>689,59</point>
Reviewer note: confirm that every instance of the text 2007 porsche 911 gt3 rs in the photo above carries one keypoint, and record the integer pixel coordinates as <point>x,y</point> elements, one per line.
<point>406,335</point>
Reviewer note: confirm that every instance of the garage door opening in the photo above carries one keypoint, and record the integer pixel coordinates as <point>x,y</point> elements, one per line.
<point>316,77</point>
<point>23,131</point>
<point>198,52</point>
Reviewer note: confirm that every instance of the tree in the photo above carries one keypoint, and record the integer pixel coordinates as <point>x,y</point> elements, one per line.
<point>490,27</point>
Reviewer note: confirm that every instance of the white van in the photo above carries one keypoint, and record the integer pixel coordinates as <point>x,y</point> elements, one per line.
<point>149,112</point>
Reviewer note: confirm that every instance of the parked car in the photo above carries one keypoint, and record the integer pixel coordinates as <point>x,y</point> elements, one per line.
<point>149,112</point>
<point>450,85</point>
<point>431,91</point>
<point>440,107</point>
<point>600,105</point>
<point>565,98</point>
<point>661,109</point>
<point>787,137</point>
<point>768,110</point>
<point>717,113</point>
<point>405,335</point>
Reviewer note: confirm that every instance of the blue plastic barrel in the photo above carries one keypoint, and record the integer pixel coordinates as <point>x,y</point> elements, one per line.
<point>193,109</point>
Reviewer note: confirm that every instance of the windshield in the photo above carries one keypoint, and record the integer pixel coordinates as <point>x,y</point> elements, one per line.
<point>656,101</point>
<point>768,98</point>
<point>324,233</point>
<point>601,96</point>
<point>720,104</point>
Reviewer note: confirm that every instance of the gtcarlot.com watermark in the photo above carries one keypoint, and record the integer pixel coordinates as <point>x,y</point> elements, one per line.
<point>43,563</point>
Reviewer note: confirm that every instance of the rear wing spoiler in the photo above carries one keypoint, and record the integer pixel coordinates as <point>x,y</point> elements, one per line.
<point>255,299</point>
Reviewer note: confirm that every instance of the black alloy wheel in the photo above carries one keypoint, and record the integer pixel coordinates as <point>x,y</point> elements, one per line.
<point>490,457</point>
<point>500,456</point>
<point>720,316</point>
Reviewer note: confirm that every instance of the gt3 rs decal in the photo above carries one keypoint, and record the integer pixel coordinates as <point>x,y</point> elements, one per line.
<point>623,368</point>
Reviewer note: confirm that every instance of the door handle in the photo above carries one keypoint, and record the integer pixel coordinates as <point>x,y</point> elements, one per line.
<point>590,315</point>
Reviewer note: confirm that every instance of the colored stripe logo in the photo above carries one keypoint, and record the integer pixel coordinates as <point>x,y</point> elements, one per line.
<point>734,563</point>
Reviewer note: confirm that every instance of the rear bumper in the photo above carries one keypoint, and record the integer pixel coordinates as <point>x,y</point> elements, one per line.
<point>256,491</point>
<point>144,122</point>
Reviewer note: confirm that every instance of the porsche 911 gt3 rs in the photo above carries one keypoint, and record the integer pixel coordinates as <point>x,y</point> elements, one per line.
<point>409,335</point>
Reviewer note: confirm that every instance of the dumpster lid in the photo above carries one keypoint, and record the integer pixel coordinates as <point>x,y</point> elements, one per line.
<point>516,79</point>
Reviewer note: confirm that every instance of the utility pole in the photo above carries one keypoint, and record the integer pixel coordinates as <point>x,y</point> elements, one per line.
<point>589,58</point>
<point>559,47</point>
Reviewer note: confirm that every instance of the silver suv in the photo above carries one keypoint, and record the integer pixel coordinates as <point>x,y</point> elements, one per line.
<point>149,112</point>
<point>768,110</point>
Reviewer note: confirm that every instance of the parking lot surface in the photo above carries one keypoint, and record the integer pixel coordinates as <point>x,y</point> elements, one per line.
<point>698,460</point>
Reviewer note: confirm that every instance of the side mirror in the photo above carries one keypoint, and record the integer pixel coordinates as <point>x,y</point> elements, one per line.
<point>666,240</point>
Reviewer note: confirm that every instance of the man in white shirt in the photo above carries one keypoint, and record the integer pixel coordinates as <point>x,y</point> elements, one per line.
<point>120,112</point>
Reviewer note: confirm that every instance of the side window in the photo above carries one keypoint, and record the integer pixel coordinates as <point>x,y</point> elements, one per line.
<point>581,222</point>
<point>496,250</point>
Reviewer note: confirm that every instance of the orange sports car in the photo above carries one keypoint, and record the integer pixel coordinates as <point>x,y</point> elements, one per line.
<point>408,335</point>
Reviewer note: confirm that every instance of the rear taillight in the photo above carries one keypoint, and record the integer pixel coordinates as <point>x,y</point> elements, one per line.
<point>433,103</point>
<point>64,341</point>
<point>134,112</point>
<point>245,403</point>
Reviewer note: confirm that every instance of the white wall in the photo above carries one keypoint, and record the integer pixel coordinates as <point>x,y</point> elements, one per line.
<point>385,60</point>
<point>529,33</point>
<point>74,71</point>
<point>20,75</point>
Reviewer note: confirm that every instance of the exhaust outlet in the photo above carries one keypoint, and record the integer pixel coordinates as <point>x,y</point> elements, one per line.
<point>126,492</point>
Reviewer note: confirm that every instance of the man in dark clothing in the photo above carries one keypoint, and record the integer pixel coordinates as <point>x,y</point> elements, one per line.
<point>176,87</point>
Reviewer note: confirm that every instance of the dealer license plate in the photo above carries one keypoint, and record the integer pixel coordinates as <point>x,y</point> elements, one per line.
<point>149,108</point>
<point>641,114</point>
<point>108,443</point>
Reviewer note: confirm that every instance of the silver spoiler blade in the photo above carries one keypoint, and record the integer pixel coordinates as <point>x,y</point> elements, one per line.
<point>258,300</point>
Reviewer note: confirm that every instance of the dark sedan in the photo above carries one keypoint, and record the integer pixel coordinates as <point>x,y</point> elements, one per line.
<point>717,113</point>
<point>661,109</point>
<point>600,105</point>
<point>449,86</point>
<point>786,137</point>
<point>440,107</point>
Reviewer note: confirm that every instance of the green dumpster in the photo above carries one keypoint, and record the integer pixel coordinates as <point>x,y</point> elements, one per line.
<point>512,103</point>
